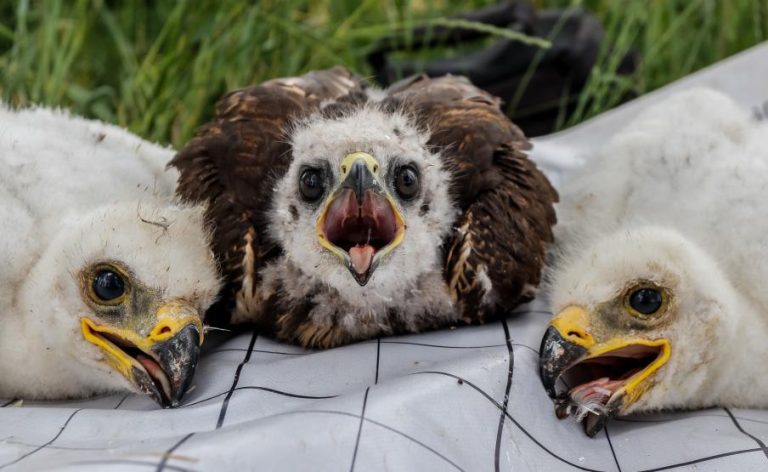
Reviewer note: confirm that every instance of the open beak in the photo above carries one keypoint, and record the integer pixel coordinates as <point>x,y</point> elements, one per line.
<point>360,223</point>
<point>160,362</point>
<point>595,380</point>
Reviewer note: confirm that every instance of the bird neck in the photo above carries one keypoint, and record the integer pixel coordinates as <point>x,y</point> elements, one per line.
<point>34,351</point>
<point>21,349</point>
<point>741,379</point>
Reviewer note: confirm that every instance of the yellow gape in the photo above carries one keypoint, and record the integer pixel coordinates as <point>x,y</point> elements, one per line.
<point>573,325</point>
<point>171,317</point>
<point>359,192</point>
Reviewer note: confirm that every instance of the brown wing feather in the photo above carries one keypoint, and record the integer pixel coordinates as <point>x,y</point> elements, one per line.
<point>507,203</point>
<point>232,164</point>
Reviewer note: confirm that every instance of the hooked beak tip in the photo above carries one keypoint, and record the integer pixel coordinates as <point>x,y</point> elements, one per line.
<point>556,355</point>
<point>163,369</point>
<point>178,359</point>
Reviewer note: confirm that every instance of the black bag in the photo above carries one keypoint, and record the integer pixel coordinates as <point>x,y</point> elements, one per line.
<point>553,78</point>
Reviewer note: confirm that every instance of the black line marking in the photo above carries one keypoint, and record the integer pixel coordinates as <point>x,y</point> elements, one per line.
<point>34,451</point>
<point>378,357</point>
<point>120,403</point>
<point>267,351</point>
<point>702,459</point>
<point>225,403</point>
<point>167,455</point>
<point>752,420</point>
<point>534,350</point>
<point>414,440</point>
<point>500,428</point>
<point>743,431</point>
<point>534,312</point>
<point>408,343</point>
<point>360,429</point>
<point>9,402</point>
<point>610,443</point>
<point>266,389</point>
<point>513,420</point>
<point>442,346</point>
<point>287,394</point>
<point>127,462</point>
<point>381,425</point>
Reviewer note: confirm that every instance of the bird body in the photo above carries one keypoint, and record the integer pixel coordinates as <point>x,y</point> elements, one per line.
<point>659,282</point>
<point>341,212</point>
<point>697,166</point>
<point>83,204</point>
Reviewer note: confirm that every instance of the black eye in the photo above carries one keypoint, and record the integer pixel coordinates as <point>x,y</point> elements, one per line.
<point>646,301</point>
<point>407,182</point>
<point>108,285</point>
<point>311,185</point>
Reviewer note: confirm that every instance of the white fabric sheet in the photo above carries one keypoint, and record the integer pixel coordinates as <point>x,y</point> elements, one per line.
<point>465,399</point>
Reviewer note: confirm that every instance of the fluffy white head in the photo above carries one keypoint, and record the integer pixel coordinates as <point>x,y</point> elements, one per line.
<point>161,248</point>
<point>322,143</point>
<point>700,316</point>
<point>666,217</point>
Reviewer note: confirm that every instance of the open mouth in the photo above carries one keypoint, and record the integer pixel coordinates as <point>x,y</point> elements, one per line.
<point>161,365</point>
<point>361,230</point>
<point>150,377</point>
<point>592,389</point>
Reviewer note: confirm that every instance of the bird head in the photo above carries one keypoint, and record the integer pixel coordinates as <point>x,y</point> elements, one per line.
<point>639,316</point>
<point>117,301</point>
<point>364,204</point>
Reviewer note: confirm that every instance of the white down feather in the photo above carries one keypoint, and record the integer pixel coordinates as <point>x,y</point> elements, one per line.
<point>679,196</point>
<point>75,191</point>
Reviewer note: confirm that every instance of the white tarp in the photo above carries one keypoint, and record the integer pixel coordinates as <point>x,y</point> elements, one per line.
<point>464,399</point>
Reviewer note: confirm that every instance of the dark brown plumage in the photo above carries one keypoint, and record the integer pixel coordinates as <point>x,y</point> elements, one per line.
<point>491,260</point>
<point>232,163</point>
<point>506,202</point>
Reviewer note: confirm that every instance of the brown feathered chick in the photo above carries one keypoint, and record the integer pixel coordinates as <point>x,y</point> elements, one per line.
<point>341,212</point>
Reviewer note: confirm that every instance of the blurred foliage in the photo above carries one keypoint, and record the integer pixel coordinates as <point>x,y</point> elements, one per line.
<point>157,67</point>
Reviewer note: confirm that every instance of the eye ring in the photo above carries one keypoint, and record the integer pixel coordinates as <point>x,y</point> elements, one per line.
<point>407,183</point>
<point>646,301</point>
<point>108,285</point>
<point>311,184</point>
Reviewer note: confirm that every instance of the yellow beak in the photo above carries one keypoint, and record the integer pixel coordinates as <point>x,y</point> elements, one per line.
<point>160,362</point>
<point>362,200</point>
<point>570,343</point>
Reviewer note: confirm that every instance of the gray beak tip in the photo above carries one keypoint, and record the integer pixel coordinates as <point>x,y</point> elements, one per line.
<point>178,358</point>
<point>555,356</point>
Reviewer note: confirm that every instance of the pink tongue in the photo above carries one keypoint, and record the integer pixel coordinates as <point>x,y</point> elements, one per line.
<point>150,366</point>
<point>598,391</point>
<point>361,256</point>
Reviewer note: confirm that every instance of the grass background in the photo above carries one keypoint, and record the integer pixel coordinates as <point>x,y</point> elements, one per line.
<point>158,66</point>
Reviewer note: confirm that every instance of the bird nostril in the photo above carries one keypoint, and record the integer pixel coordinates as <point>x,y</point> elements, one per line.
<point>164,330</point>
<point>575,334</point>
